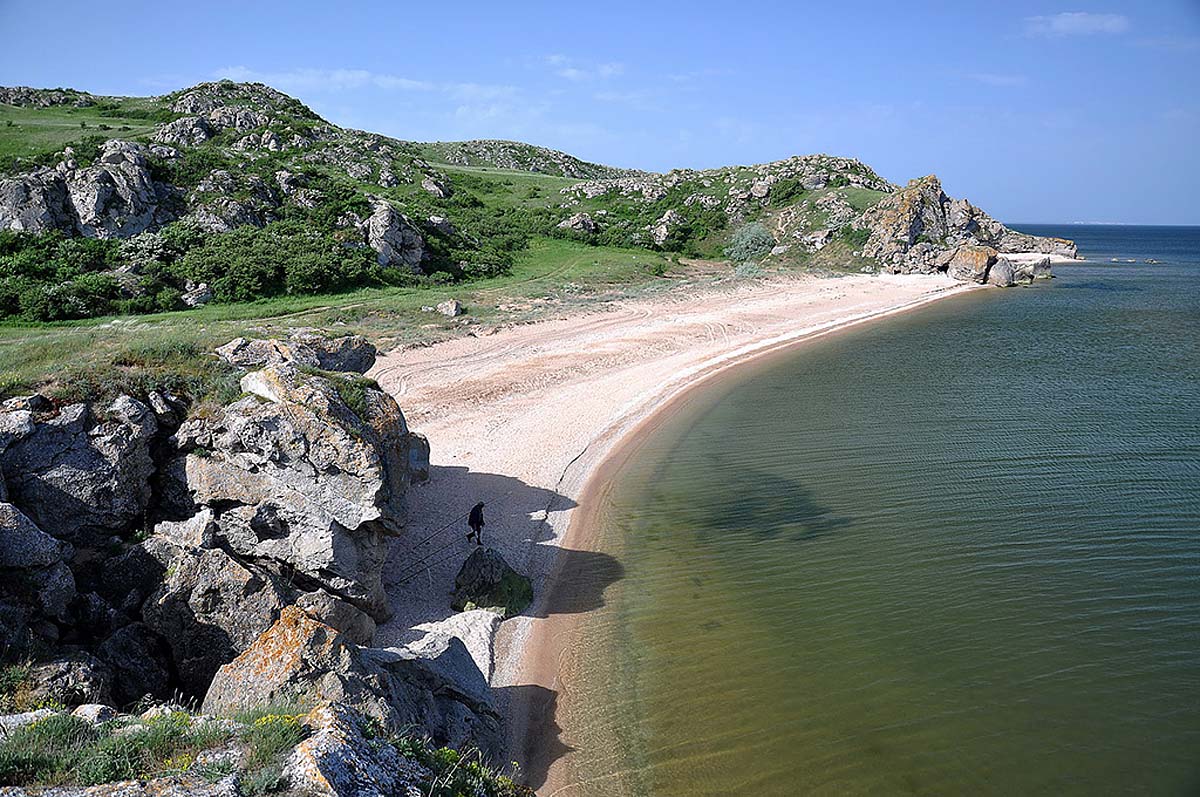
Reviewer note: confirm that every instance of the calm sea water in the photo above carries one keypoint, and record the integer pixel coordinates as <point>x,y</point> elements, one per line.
<point>954,552</point>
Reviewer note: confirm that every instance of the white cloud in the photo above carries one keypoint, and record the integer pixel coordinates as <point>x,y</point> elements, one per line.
<point>1075,23</point>
<point>571,69</point>
<point>993,79</point>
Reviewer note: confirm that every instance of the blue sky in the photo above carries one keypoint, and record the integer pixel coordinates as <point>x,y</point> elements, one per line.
<point>1036,111</point>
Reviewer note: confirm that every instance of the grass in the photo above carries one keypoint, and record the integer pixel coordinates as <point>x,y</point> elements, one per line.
<point>36,132</point>
<point>62,749</point>
<point>98,358</point>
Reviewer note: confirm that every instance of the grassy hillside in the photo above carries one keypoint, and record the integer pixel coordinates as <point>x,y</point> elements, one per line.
<point>274,210</point>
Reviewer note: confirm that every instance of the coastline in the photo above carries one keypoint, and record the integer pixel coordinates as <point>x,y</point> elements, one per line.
<point>546,476</point>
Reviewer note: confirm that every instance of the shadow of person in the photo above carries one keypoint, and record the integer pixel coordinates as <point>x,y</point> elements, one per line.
<point>540,743</point>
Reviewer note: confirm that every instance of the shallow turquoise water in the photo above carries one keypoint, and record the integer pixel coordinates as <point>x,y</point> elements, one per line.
<point>957,551</point>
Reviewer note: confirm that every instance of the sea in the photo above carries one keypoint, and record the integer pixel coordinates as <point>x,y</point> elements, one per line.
<point>955,551</point>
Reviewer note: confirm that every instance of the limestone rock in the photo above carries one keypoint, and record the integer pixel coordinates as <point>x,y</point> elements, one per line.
<point>355,624</point>
<point>818,240</point>
<point>339,760</point>
<point>439,689</point>
<point>476,629</point>
<point>580,222</point>
<point>970,263</point>
<point>1001,274</point>
<point>436,187</point>
<point>661,230</point>
<point>210,608</point>
<point>486,581</point>
<point>139,663</point>
<point>197,294</point>
<point>11,722</point>
<point>303,482</point>
<point>33,565</point>
<point>187,131</point>
<point>347,353</point>
<point>95,713</point>
<point>450,308</point>
<point>918,229</point>
<point>396,242</point>
<point>81,478</point>
<point>116,197</point>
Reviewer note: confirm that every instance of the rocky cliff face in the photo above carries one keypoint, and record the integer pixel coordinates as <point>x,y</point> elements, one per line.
<point>918,229</point>
<point>236,555</point>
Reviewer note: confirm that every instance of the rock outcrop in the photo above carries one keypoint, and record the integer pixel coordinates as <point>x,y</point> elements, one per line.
<point>116,197</point>
<point>347,353</point>
<point>437,688</point>
<point>340,758</point>
<point>918,229</point>
<point>396,242</point>
<point>305,477</point>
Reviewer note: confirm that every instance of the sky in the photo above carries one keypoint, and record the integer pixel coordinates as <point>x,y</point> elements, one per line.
<point>1035,111</point>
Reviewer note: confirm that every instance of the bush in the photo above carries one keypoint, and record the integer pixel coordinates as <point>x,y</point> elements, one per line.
<point>749,242</point>
<point>854,236</point>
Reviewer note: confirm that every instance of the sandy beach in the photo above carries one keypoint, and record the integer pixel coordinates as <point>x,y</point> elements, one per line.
<point>524,417</point>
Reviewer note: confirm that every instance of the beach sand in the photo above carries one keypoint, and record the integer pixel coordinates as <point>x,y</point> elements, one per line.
<point>523,418</point>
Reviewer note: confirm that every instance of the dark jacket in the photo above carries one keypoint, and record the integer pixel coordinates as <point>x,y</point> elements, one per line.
<point>475,519</point>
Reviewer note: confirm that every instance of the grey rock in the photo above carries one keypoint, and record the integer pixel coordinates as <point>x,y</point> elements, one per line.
<point>11,722</point>
<point>34,568</point>
<point>346,353</point>
<point>354,623</point>
<point>486,581</point>
<point>139,663</point>
<point>339,760</point>
<point>187,131</point>
<point>71,679</point>
<point>80,478</point>
<point>396,242</point>
<point>304,484</point>
<point>95,713</point>
<point>438,688</point>
<point>208,609</point>
<point>436,187</point>
<point>970,263</point>
<point>1001,274</point>
<point>579,222</point>
<point>450,308</point>
<point>197,294</point>
<point>661,230</point>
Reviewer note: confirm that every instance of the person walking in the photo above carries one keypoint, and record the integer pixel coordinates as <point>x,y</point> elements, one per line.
<point>475,521</point>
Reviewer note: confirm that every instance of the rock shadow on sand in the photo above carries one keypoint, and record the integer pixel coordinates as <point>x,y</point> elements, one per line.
<point>426,557</point>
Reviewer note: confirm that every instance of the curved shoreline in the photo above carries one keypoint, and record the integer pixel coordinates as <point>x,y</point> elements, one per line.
<point>533,418</point>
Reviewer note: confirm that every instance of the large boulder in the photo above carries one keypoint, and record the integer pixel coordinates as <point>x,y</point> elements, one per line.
<point>579,222</point>
<point>209,609</point>
<point>396,241</point>
<point>116,197</point>
<point>306,347</point>
<point>80,477</point>
<point>34,568</point>
<point>971,263</point>
<point>187,131</point>
<point>1001,274</point>
<point>437,689</point>
<point>486,581</point>
<point>306,476</point>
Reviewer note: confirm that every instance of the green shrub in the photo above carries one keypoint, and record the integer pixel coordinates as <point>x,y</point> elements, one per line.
<point>749,242</point>
<point>854,236</point>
